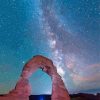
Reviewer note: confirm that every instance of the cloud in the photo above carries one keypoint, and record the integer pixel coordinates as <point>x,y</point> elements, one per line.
<point>82,79</point>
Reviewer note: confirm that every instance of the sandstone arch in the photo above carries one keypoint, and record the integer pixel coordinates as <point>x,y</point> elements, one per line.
<point>23,88</point>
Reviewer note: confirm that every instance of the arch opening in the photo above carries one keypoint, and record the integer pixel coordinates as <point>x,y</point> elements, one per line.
<point>40,83</point>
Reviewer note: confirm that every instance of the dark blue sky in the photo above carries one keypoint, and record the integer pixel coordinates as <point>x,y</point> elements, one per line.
<point>67,31</point>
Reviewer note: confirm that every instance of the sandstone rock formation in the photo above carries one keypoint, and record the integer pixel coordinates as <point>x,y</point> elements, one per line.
<point>22,90</point>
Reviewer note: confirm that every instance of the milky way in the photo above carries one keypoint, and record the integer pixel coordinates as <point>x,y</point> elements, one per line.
<point>71,52</point>
<point>66,31</point>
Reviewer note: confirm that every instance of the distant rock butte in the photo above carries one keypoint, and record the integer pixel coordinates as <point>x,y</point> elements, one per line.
<point>22,89</point>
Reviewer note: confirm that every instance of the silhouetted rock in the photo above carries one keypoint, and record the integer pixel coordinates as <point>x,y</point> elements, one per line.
<point>84,96</point>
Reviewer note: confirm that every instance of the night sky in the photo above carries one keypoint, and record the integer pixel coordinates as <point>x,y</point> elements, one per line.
<point>66,31</point>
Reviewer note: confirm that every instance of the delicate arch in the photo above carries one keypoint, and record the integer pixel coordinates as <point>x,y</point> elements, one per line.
<point>23,88</point>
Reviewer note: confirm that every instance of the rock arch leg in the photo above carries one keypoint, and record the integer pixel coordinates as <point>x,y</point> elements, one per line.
<point>59,92</point>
